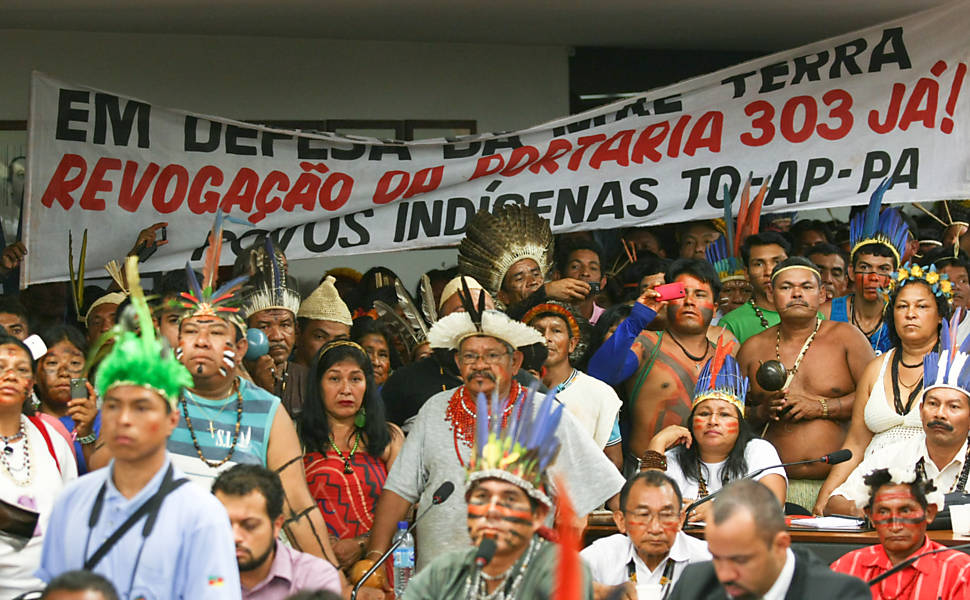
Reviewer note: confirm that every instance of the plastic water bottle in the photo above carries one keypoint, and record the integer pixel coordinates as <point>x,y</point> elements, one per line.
<point>403,559</point>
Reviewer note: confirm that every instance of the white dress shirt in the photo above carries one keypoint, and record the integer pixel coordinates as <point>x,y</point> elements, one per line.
<point>608,559</point>
<point>903,454</point>
<point>779,589</point>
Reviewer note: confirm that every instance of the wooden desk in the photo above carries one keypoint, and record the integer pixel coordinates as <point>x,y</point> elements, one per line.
<point>828,545</point>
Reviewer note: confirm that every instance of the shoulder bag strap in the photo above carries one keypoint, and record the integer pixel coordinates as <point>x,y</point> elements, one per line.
<point>149,507</point>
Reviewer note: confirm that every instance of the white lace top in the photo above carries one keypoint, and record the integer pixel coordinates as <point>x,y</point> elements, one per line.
<point>887,426</point>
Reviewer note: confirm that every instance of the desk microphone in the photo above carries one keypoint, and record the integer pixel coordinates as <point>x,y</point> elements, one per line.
<point>839,456</point>
<point>911,560</point>
<point>486,550</point>
<point>440,495</point>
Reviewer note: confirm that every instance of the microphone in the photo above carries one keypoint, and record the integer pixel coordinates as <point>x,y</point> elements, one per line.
<point>839,456</point>
<point>440,495</point>
<point>911,560</point>
<point>486,550</point>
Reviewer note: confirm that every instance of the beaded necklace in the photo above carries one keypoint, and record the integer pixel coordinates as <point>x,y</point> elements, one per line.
<point>759,313</point>
<point>565,384</point>
<point>347,468</point>
<point>801,354</point>
<point>917,388</point>
<point>461,415</point>
<point>5,456</point>
<point>235,433</point>
<point>961,482</point>
<point>476,582</point>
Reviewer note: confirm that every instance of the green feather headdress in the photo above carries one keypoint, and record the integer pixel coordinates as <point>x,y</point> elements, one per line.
<point>138,357</point>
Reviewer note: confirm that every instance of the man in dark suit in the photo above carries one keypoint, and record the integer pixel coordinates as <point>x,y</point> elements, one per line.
<point>753,557</point>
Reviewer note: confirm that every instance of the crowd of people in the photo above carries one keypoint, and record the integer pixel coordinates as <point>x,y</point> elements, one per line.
<point>225,435</point>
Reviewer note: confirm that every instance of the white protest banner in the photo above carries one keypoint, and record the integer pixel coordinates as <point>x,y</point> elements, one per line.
<point>826,122</point>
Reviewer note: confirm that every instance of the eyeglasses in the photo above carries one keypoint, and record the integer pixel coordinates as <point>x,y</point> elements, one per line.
<point>490,358</point>
<point>644,518</point>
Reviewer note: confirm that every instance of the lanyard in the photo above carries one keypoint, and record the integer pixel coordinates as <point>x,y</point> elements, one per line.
<point>666,579</point>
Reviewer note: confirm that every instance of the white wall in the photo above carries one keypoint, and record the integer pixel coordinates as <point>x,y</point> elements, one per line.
<point>500,86</point>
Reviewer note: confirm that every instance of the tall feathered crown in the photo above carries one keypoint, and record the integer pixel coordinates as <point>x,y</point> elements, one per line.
<point>204,299</point>
<point>725,252</point>
<point>272,288</point>
<point>137,356</point>
<point>950,367</point>
<point>495,242</point>
<point>874,227</point>
<point>521,451</point>
<point>722,379</point>
<point>411,328</point>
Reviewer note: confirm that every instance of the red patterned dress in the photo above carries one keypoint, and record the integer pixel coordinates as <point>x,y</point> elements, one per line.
<point>347,500</point>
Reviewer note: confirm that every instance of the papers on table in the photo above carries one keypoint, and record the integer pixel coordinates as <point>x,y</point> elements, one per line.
<point>841,523</point>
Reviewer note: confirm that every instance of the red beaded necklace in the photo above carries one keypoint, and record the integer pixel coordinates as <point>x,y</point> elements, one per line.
<point>461,415</point>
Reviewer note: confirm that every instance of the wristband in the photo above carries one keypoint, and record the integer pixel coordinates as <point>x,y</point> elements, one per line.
<point>88,439</point>
<point>653,460</point>
<point>825,407</point>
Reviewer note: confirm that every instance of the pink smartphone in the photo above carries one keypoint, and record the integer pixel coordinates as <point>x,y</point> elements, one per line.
<point>670,291</point>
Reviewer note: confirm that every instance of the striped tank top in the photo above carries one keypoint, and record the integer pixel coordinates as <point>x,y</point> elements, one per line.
<point>259,409</point>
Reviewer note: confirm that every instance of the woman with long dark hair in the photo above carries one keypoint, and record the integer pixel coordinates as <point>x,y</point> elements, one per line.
<point>886,408</point>
<point>348,445</point>
<point>719,447</point>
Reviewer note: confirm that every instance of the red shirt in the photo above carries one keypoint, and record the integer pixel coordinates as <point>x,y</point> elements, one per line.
<point>939,576</point>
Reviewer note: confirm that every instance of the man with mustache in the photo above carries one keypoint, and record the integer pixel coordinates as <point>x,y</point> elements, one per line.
<point>901,504</point>
<point>440,443</point>
<point>824,362</point>
<point>940,455</point>
<point>272,306</point>
<point>659,369</point>
<point>268,569</point>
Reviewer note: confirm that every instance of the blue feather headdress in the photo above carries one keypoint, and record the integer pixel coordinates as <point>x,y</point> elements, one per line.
<point>520,452</point>
<point>950,367</point>
<point>721,379</point>
<point>874,227</point>
<point>725,253</point>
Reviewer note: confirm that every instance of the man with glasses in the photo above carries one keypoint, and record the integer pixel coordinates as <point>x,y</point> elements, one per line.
<point>441,439</point>
<point>650,549</point>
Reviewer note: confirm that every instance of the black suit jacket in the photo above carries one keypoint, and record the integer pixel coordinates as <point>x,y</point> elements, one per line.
<point>812,580</point>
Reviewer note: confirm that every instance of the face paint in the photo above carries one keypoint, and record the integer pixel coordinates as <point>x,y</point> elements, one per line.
<point>228,357</point>
<point>178,353</point>
<point>699,423</point>
<point>731,426</point>
<point>502,511</point>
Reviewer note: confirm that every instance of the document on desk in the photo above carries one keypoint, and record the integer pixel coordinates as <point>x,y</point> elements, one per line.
<point>841,523</point>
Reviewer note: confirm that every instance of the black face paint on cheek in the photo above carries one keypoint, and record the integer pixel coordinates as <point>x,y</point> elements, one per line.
<point>707,314</point>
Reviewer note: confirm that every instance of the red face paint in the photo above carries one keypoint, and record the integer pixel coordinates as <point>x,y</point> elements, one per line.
<point>505,513</point>
<point>731,426</point>
<point>699,423</point>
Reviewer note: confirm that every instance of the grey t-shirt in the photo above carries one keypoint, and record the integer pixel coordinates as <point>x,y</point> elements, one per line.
<point>428,459</point>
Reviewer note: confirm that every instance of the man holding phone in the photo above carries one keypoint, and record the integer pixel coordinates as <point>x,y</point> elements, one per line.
<point>659,369</point>
<point>582,260</point>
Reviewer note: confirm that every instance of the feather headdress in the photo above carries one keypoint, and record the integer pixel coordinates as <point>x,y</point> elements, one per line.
<point>495,242</point>
<point>874,227</point>
<point>722,379</point>
<point>410,328</point>
<point>725,252</point>
<point>137,356</point>
<point>204,299</point>
<point>578,326</point>
<point>273,288</point>
<point>450,331</point>
<point>950,367</point>
<point>520,451</point>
